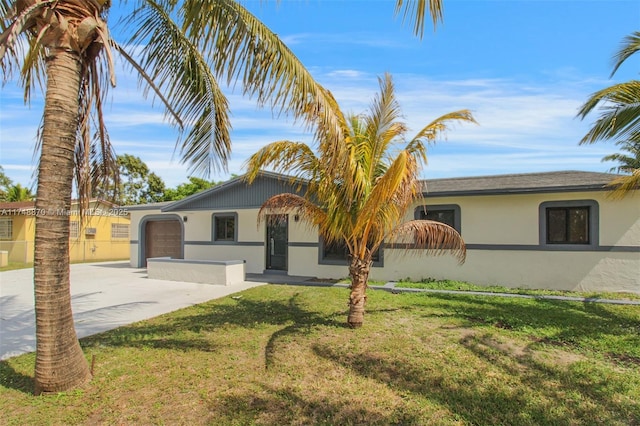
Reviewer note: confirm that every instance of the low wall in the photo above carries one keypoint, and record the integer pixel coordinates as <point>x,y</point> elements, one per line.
<point>197,271</point>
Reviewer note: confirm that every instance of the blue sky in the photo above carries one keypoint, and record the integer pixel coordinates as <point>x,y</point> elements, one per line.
<point>523,68</point>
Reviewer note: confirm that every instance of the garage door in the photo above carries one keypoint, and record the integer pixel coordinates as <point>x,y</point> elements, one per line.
<point>163,238</point>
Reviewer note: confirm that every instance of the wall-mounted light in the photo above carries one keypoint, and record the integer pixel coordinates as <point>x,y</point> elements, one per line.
<point>296,218</point>
<point>184,218</point>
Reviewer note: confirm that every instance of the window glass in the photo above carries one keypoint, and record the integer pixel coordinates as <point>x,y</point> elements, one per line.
<point>442,216</point>
<point>74,229</point>
<point>568,225</point>
<point>448,214</point>
<point>6,228</point>
<point>339,251</point>
<point>119,230</point>
<point>225,228</point>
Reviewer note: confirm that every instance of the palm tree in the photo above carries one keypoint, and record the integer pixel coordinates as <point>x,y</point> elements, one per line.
<point>362,203</point>
<point>18,192</point>
<point>181,51</point>
<point>620,116</point>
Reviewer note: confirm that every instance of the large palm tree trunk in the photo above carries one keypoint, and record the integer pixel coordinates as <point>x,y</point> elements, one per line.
<point>359,273</point>
<point>60,362</point>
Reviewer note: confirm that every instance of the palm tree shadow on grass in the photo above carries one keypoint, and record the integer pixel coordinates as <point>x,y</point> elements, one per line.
<point>473,398</point>
<point>572,323</point>
<point>288,406</point>
<point>555,384</point>
<point>11,379</point>
<point>179,333</point>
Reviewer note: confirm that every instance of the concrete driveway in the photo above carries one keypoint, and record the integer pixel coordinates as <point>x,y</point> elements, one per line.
<point>104,296</point>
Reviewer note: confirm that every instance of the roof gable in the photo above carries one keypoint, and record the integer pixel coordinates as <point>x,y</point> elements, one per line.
<point>238,194</point>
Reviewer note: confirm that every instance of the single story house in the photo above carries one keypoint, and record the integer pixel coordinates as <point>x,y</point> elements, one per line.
<point>554,230</point>
<point>102,234</point>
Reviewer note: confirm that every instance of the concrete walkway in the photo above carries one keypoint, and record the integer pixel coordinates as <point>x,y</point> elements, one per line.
<point>104,296</point>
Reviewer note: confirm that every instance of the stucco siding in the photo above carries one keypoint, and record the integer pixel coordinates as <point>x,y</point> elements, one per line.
<point>505,233</point>
<point>494,219</point>
<point>588,271</point>
<point>252,255</point>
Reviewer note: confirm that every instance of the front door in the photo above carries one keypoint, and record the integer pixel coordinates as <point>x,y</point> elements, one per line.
<point>277,242</point>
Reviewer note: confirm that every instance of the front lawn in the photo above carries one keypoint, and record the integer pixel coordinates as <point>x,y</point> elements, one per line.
<point>282,355</point>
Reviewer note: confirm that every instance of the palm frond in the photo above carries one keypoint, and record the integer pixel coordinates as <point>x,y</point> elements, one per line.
<point>630,45</point>
<point>292,203</point>
<point>435,237</point>
<point>242,48</point>
<point>293,158</point>
<point>620,116</point>
<point>180,71</point>
<point>625,185</point>
<point>21,21</point>
<point>390,196</point>
<point>415,12</point>
<point>432,131</point>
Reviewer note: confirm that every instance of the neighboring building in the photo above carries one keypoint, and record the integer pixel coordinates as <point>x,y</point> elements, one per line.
<point>556,230</point>
<point>101,234</point>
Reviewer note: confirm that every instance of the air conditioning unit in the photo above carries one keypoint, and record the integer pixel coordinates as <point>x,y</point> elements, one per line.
<point>90,231</point>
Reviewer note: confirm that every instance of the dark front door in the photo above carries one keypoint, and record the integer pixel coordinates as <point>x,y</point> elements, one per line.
<point>277,242</point>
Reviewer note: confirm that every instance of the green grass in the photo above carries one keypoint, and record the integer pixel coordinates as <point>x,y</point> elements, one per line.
<point>433,284</point>
<point>282,355</point>
<point>20,265</point>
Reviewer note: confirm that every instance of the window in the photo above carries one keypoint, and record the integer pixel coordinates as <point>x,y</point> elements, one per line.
<point>338,253</point>
<point>224,227</point>
<point>569,223</point>
<point>444,213</point>
<point>119,230</point>
<point>6,228</point>
<point>74,229</point>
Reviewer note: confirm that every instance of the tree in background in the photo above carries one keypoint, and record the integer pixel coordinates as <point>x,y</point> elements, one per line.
<point>11,192</point>
<point>18,192</point>
<point>184,190</point>
<point>619,118</point>
<point>358,194</point>
<point>137,185</point>
<point>5,184</point>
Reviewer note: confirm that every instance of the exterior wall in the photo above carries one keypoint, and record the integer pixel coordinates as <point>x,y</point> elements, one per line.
<point>101,246</point>
<point>20,247</point>
<point>502,233</point>
<point>84,248</point>
<point>249,247</point>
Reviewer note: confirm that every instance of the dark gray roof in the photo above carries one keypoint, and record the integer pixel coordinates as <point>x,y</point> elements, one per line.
<point>235,193</point>
<point>564,181</point>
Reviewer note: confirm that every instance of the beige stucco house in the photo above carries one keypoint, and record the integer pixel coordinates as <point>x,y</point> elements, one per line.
<point>555,230</point>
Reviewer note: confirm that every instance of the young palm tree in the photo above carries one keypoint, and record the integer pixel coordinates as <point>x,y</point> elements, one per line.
<point>181,51</point>
<point>620,116</point>
<point>363,201</point>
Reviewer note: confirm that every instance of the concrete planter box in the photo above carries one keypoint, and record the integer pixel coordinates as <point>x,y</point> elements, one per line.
<point>197,271</point>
